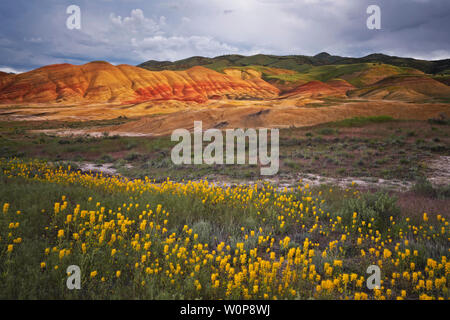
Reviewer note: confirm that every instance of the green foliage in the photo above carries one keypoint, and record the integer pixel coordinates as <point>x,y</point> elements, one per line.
<point>298,63</point>
<point>361,121</point>
<point>440,120</point>
<point>132,156</point>
<point>424,187</point>
<point>375,208</point>
<point>107,158</point>
<point>326,131</point>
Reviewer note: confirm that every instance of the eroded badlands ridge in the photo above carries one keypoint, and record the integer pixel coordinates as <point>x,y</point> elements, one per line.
<point>98,82</point>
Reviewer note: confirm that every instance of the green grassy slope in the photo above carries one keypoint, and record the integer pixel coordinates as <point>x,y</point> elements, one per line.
<point>296,62</point>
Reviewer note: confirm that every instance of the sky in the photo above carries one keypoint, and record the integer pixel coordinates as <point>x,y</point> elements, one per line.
<point>33,33</point>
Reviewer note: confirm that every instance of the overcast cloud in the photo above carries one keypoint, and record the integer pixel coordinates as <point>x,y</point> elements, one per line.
<point>33,33</point>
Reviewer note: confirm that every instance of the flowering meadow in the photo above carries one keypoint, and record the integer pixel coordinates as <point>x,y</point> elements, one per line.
<point>138,239</point>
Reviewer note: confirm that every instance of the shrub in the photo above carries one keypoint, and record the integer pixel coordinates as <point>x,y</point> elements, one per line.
<point>441,119</point>
<point>131,145</point>
<point>158,163</point>
<point>380,206</point>
<point>291,164</point>
<point>361,121</point>
<point>424,187</point>
<point>107,158</point>
<point>132,156</point>
<point>326,131</point>
<point>120,163</point>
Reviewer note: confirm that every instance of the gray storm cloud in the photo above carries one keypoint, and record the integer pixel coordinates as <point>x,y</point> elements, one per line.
<point>33,33</point>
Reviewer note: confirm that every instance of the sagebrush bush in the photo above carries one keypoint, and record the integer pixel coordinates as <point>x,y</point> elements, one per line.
<point>424,187</point>
<point>379,206</point>
<point>107,158</point>
<point>132,156</point>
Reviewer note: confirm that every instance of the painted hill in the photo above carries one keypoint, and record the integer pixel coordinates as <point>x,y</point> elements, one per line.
<point>340,85</point>
<point>5,78</point>
<point>377,72</point>
<point>405,88</point>
<point>317,89</point>
<point>286,80</point>
<point>99,82</point>
<point>234,77</point>
<point>358,75</point>
<point>443,78</point>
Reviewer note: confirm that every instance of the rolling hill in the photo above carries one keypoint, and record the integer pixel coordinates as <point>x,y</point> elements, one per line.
<point>318,89</point>
<point>99,82</point>
<point>295,62</point>
<point>258,77</point>
<point>405,88</point>
<point>287,73</point>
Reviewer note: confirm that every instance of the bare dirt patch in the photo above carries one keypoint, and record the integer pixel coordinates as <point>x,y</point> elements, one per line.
<point>279,117</point>
<point>314,180</point>
<point>94,132</point>
<point>439,171</point>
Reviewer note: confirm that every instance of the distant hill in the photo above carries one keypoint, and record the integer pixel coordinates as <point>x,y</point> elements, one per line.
<point>296,62</point>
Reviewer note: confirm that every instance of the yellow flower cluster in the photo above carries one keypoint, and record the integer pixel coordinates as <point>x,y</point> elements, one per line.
<point>297,249</point>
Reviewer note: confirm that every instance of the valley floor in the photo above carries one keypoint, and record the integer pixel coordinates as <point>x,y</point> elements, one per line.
<point>349,194</point>
<point>159,118</point>
<point>406,157</point>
